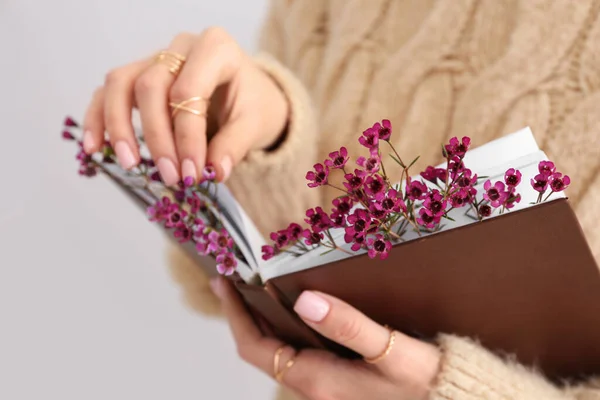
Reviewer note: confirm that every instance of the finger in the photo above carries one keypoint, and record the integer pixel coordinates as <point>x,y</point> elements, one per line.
<point>230,145</point>
<point>316,374</point>
<point>118,105</point>
<point>93,123</point>
<point>214,60</point>
<point>151,93</point>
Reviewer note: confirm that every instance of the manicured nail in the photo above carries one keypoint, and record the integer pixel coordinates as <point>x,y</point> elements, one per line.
<point>188,169</point>
<point>226,165</point>
<point>88,141</point>
<point>311,306</point>
<point>168,172</point>
<point>217,288</point>
<point>124,154</point>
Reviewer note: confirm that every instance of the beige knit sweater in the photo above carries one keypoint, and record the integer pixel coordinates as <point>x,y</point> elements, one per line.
<point>436,69</point>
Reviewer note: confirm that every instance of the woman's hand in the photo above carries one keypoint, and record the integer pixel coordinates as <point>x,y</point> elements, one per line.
<point>406,372</point>
<point>246,105</point>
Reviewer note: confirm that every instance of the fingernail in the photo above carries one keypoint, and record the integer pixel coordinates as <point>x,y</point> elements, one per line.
<point>168,172</point>
<point>124,154</point>
<point>188,169</point>
<point>215,285</point>
<point>226,165</point>
<point>88,141</point>
<point>311,306</point>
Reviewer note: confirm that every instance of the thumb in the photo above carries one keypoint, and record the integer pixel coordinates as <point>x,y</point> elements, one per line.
<point>230,145</point>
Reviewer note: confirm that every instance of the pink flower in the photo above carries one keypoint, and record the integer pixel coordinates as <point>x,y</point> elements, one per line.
<point>268,252</point>
<point>378,246</point>
<point>338,220</point>
<point>374,185</point>
<point>202,248</point>
<point>391,201</point>
<point>512,177</point>
<point>461,197</point>
<point>465,179</point>
<point>433,174</point>
<point>343,205</point>
<point>280,238</point>
<point>370,138</point>
<point>68,135</point>
<point>208,173</point>
<point>416,190</point>
<point>318,177</point>
<point>294,231</point>
<point>226,263</point>
<point>337,159</point>
<point>485,210</point>
<point>182,233</point>
<point>512,200</point>
<point>318,219</point>
<point>384,130</point>
<point>427,218</point>
<point>219,242</point>
<point>546,168</point>
<point>456,148</point>
<point>312,237</point>
<point>70,122</point>
<point>188,181</point>
<point>495,194</point>
<point>196,204</point>
<point>435,203</point>
<point>377,211</point>
<point>558,182</point>
<point>355,181</point>
<point>359,221</point>
<point>455,167</point>
<point>540,182</point>
<point>371,164</point>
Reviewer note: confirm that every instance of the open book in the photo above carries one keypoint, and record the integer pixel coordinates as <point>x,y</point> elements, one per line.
<point>524,282</point>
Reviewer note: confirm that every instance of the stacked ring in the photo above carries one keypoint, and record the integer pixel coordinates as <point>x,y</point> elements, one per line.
<point>172,60</point>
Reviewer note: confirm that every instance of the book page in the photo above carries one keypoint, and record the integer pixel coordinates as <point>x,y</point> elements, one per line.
<point>518,150</point>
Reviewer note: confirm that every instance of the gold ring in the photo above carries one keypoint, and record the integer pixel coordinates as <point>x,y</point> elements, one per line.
<point>276,371</point>
<point>183,106</point>
<point>172,60</point>
<point>387,350</point>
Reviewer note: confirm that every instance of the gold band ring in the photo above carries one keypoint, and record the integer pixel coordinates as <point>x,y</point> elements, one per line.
<point>172,60</point>
<point>387,350</point>
<point>183,106</point>
<point>276,361</point>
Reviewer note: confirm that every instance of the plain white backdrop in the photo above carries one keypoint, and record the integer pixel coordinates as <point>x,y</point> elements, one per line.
<point>88,309</point>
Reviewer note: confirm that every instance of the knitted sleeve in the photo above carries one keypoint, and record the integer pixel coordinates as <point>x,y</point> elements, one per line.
<point>470,372</point>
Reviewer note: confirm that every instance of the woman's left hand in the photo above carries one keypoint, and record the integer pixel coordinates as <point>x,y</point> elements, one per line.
<point>406,372</point>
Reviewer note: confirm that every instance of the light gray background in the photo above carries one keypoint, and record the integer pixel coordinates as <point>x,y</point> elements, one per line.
<point>88,309</point>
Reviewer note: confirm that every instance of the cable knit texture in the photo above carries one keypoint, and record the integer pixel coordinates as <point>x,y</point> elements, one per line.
<point>436,69</point>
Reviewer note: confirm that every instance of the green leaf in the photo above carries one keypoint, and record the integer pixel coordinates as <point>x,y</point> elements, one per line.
<point>444,152</point>
<point>327,252</point>
<point>451,219</point>
<point>413,162</point>
<point>398,161</point>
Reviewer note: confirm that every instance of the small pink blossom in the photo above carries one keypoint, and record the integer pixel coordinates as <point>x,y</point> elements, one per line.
<point>546,168</point>
<point>209,173</point>
<point>374,184</point>
<point>359,223</point>
<point>540,182</point>
<point>384,129</point>
<point>280,238</point>
<point>312,238</point>
<point>379,246</point>
<point>427,218</point>
<point>318,177</point>
<point>495,194</point>
<point>337,159</point>
<point>435,203</point>
<point>268,252</point>
<point>455,167</point>
<point>370,138</point>
<point>512,200</point>
<point>68,135</point>
<point>416,190</point>
<point>294,231</point>
<point>182,233</point>
<point>465,179</point>
<point>485,210</point>
<point>219,242</point>
<point>226,263</point>
<point>318,219</point>
<point>355,181</point>
<point>433,174</point>
<point>458,148</point>
<point>512,177</point>
<point>558,182</point>
<point>342,205</point>
<point>391,201</point>
<point>371,164</point>
<point>70,122</point>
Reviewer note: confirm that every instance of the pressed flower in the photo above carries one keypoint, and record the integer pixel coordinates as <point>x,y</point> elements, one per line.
<point>374,184</point>
<point>540,182</point>
<point>312,238</point>
<point>416,190</point>
<point>558,182</point>
<point>458,148</point>
<point>495,194</point>
<point>226,263</point>
<point>318,177</point>
<point>370,138</point>
<point>268,252</point>
<point>433,174</point>
<point>379,246</point>
<point>355,181</point>
<point>318,219</point>
<point>485,210</point>
<point>512,177</point>
<point>546,168</point>
<point>337,159</point>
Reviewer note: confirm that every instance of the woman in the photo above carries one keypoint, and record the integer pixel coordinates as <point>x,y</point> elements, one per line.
<point>328,70</point>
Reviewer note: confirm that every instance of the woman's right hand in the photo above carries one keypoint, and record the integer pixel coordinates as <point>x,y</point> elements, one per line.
<point>250,110</point>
